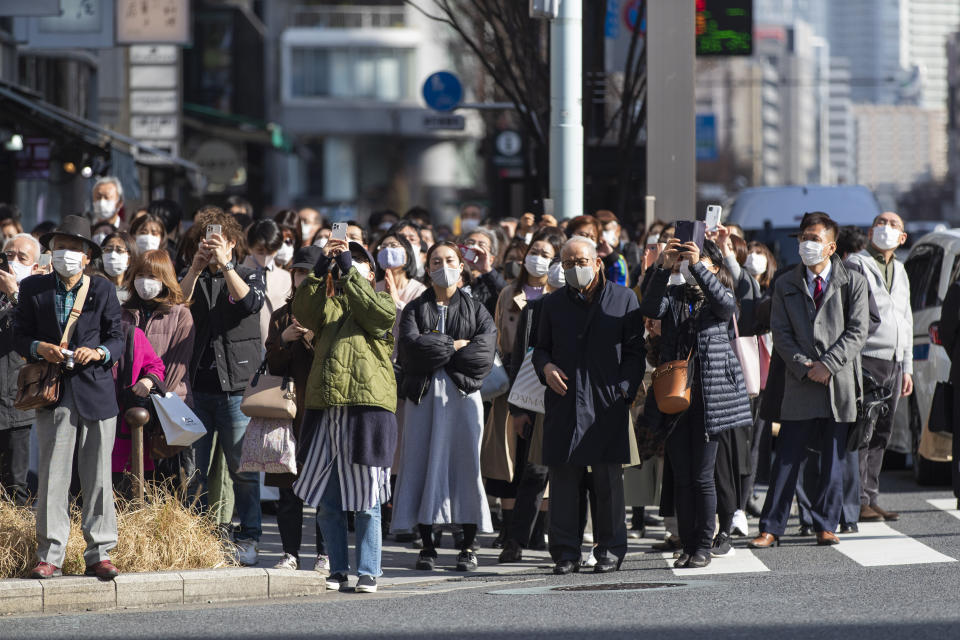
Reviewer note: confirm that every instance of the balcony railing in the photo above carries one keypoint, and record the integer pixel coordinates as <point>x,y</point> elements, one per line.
<point>348,17</point>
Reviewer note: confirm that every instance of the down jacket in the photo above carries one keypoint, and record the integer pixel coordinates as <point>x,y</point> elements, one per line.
<point>422,350</point>
<point>352,342</point>
<point>718,374</point>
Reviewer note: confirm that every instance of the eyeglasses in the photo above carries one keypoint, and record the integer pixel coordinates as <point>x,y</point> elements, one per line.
<point>890,223</point>
<point>582,262</point>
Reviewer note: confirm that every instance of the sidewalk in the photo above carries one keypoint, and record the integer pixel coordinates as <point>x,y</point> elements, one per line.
<point>211,586</point>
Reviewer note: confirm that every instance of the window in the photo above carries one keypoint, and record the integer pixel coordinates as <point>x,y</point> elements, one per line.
<point>378,74</point>
<point>923,271</point>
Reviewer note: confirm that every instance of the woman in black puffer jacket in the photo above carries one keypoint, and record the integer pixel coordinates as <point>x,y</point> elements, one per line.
<point>696,306</point>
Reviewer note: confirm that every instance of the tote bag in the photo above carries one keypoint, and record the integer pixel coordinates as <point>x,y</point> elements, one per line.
<point>269,396</point>
<point>497,381</point>
<point>180,425</point>
<point>747,350</point>
<point>268,446</point>
<point>527,390</point>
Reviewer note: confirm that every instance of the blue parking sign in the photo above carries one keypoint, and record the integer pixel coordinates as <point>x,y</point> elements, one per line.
<point>442,91</point>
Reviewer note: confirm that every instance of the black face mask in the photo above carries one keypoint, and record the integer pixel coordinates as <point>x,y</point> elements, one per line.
<point>512,269</point>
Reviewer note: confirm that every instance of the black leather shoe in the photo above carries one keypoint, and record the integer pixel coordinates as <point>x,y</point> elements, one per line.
<point>511,552</point>
<point>606,564</point>
<point>681,562</point>
<point>565,567</point>
<point>699,560</point>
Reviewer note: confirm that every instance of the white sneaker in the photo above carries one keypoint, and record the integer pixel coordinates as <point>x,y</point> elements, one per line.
<point>322,565</point>
<point>288,562</point>
<point>247,553</point>
<point>739,526</point>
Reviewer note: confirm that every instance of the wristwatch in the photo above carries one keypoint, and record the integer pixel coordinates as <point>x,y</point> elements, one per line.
<point>103,354</point>
<point>228,266</point>
<point>15,297</point>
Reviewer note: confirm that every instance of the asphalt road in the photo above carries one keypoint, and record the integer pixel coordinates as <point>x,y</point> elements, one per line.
<point>900,581</point>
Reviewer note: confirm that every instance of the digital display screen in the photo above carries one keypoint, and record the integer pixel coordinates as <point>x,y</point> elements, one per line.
<point>724,27</point>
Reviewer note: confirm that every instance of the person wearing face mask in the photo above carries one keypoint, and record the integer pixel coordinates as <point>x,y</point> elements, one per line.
<point>480,256</point>
<point>888,354</point>
<point>697,325</point>
<point>508,436</point>
<point>157,307</point>
<point>820,320</point>
<point>149,233</point>
<point>310,222</point>
<point>265,240</point>
<point>22,252</point>
<point>470,217</point>
<point>107,199</point>
<point>623,257</point>
<point>85,416</point>
<point>226,302</point>
<point>118,250</point>
<point>446,349</point>
<point>589,353</point>
<point>349,430</point>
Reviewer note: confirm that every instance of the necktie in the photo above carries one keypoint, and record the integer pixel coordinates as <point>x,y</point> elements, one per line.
<point>818,292</point>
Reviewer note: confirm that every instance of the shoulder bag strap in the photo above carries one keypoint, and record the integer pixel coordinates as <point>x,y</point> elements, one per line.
<point>75,312</point>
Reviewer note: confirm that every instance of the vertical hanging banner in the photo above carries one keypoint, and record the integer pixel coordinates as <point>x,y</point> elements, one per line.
<point>153,22</point>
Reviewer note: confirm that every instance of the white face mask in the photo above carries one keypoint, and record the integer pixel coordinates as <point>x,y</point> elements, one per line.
<point>148,288</point>
<point>115,263</point>
<point>811,252</point>
<point>537,266</point>
<point>98,238</point>
<point>385,226</point>
<point>306,231</point>
<point>105,209</point>
<point>886,237</point>
<point>265,261</point>
<point>392,257</point>
<point>685,272</point>
<point>284,254</point>
<point>468,224</point>
<point>755,264</point>
<point>147,242</point>
<point>653,238</point>
<point>68,263</point>
<point>527,237</point>
<point>446,277</point>
<point>555,276</point>
<point>676,279</point>
<point>363,269</point>
<point>579,277</point>
<point>321,242</point>
<point>612,238</point>
<point>20,271</point>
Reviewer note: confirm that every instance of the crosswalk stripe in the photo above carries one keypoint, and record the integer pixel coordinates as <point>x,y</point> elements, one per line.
<point>946,504</point>
<point>878,545</point>
<point>743,561</point>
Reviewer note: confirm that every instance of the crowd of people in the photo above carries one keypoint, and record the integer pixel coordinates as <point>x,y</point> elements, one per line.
<point>406,341</point>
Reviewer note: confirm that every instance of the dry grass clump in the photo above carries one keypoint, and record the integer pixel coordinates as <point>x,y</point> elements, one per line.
<point>159,535</point>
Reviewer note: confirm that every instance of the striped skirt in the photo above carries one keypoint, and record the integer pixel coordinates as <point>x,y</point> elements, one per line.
<point>361,487</point>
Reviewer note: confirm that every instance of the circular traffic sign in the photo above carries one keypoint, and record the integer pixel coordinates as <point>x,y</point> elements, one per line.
<point>442,91</point>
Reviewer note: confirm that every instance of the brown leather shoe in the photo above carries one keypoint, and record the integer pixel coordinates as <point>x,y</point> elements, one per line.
<point>870,514</point>
<point>103,570</point>
<point>889,516</point>
<point>45,570</point>
<point>827,538</point>
<point>764,541</point>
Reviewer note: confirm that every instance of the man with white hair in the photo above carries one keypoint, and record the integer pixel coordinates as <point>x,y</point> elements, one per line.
<point>590,355</point>
<point>107,197</point>
<point>21,253</point>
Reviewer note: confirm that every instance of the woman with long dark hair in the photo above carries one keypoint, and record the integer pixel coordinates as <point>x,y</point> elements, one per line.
<point>692,295</point>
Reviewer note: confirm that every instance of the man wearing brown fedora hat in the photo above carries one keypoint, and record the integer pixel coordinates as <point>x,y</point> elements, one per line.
<point>85,414</point>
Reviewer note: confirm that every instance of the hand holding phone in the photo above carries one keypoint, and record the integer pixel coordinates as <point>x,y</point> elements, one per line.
<point>691,231</point>
<point>214,229</point>
<point>713,217</point>
<point>4,263</point>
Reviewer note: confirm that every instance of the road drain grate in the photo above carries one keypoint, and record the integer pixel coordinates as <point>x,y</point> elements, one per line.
<point>605,587</point>
<point>622,586</point>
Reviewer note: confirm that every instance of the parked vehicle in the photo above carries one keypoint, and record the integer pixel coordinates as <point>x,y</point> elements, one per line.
<point>772,214</point>
<point>932,266</point>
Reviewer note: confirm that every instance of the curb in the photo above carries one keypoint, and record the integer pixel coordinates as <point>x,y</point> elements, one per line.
<point>70,594</point>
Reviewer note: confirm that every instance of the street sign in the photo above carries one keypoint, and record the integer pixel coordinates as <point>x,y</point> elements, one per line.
<point>724,27</point>
<point>155,22</point>
<point>508,146</point>
<point>165,101</point>
<point>442,91</point>
<point>449,123</point>
<point>166,127</point>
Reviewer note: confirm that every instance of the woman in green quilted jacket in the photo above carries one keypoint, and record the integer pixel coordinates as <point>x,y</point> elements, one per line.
<point>349,430</point>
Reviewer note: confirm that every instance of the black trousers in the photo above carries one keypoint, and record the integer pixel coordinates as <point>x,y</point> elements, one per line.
<point>15,463</point>
<point>290,524</point>
<point>727,474</point>
<point>810,476</point>
<point>694,458</point>
<point>566,507</point>
<point>530,488</point>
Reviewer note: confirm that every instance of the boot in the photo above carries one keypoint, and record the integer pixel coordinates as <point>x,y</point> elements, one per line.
<point>505,522</point>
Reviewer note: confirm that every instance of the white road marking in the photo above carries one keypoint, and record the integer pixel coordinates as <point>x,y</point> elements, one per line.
<point>743,561</point>
<point>878,545</point>
<point>946,504</point>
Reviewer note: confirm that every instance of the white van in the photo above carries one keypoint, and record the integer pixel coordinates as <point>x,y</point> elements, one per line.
<point>771,214</point>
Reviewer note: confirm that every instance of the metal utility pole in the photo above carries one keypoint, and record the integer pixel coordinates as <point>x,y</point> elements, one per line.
<point>566,106</point>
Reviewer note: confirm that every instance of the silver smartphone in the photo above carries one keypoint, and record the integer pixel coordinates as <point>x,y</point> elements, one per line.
<point>339,231</point>
<point>713,216</point>
<point>45,260</point>
<point>213,229</point>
